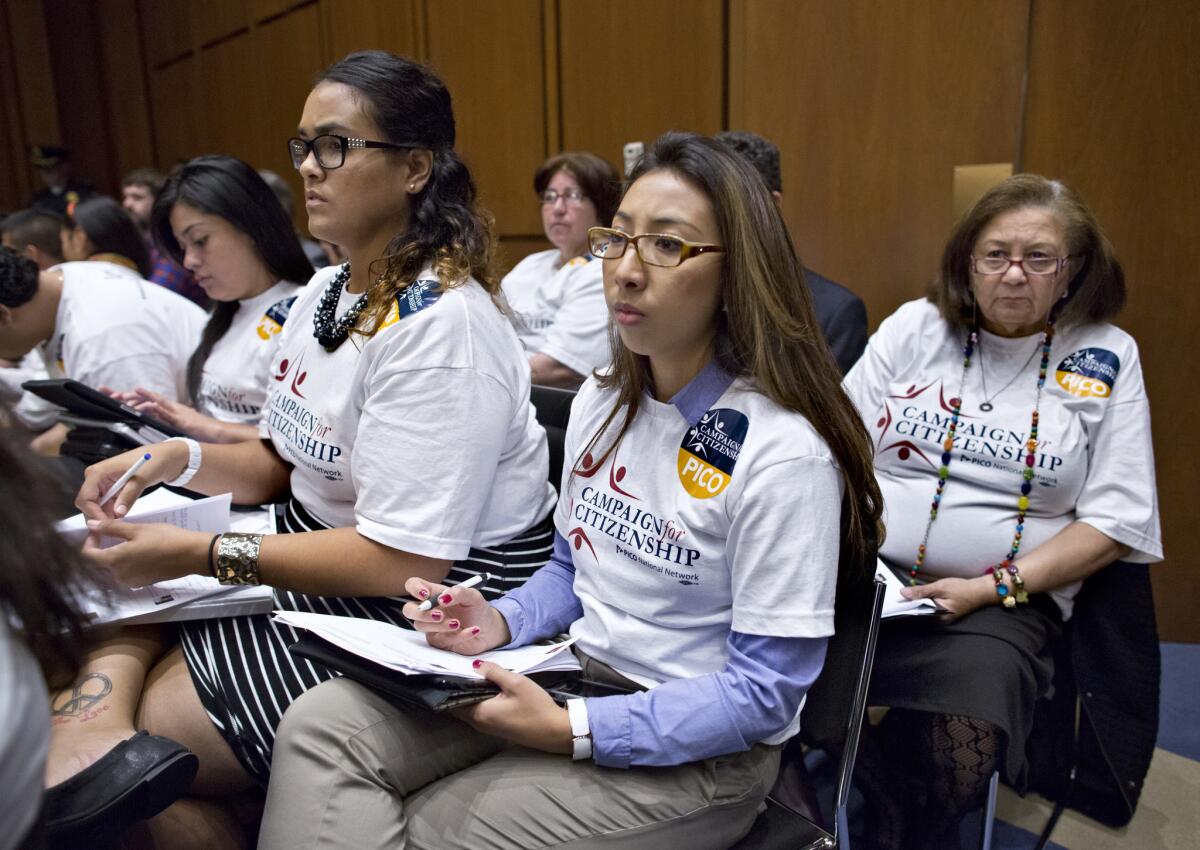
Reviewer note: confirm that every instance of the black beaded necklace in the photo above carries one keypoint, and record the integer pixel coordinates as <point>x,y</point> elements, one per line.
<point>329,330</point>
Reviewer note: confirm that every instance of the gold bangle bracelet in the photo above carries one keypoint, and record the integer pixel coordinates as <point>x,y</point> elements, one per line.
<point>237,558</point>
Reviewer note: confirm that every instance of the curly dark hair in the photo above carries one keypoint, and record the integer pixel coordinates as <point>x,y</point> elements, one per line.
<point>446,229</point>
<point>18,278</point>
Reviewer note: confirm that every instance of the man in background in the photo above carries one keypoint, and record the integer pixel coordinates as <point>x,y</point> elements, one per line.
<point>62,190</point>
<point>841,313</point>
<point>35,233</point>
<point>139,190</point>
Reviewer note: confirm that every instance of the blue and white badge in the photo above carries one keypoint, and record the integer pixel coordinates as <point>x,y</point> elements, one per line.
<point>710,450</point>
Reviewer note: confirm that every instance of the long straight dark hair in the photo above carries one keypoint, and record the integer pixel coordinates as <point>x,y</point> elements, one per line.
<point>446,227</point>
<point>111,231</point>
<point>767,331</point>
<point>229,188</point>
<point>43,578</point>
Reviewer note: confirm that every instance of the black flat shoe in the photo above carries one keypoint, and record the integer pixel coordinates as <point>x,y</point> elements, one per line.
<point>136,779</point>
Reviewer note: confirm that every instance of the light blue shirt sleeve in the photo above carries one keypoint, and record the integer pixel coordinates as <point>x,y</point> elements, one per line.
<point>755,696</point>
<point>546,604</point>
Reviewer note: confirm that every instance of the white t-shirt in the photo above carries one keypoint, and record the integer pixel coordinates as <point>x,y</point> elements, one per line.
<point>684,534</point>
<point>24,738</point>
<point>1095,462</point>
<point>560,309</point>
<point>422,436</point>
<point>233,383</point>
<point>117,330</point>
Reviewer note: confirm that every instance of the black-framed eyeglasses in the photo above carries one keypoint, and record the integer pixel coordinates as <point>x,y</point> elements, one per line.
<point>1000,264</point>
<point>655,249</point>
<point>331,148</point>
<point>572,197</point>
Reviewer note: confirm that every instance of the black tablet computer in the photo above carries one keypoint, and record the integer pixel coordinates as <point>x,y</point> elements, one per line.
<point>83,401</point>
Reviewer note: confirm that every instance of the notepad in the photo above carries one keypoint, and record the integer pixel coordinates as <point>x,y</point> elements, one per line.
<point>406,651</point>
<point>894,604</point>
<point>210,514</point>
<point>192,597</point>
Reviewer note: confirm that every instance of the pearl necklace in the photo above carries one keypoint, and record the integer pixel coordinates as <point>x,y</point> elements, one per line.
<point>329,330</point>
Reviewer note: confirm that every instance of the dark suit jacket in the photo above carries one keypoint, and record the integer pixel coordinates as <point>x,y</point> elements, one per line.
<point>843,318</point>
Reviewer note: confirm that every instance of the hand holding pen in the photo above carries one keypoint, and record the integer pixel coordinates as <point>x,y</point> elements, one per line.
<point>456,618</point>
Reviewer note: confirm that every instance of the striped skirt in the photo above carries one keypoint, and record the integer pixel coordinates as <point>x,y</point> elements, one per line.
<point>241,667</point>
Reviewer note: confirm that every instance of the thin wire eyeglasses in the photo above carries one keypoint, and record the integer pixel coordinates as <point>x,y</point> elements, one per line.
<point>1029,265</point>
<point>572,197</point>
<point>662,250</point>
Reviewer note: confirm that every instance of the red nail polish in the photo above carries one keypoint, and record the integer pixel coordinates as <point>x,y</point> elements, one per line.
<point>474,630</point>
<point>445,599</point>
<point>436,616</point>
<point>477,663</point>
<point>423,593</point>
<point>453,624</point>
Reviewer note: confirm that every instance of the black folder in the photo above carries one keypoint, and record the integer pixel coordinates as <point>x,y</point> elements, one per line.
<point>435,692</point>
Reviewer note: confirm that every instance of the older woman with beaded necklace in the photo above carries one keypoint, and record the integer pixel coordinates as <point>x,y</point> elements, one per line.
<point>1012,443</point>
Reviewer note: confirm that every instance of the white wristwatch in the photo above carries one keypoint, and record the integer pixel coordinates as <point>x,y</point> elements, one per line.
<point>581,732</point>
<point>193,463</point>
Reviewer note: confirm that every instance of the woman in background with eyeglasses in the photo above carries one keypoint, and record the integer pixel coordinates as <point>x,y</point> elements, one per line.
<point>557,296</point>
<point>1012,445</point>
<point>398,430</point>
<point>695,560</point>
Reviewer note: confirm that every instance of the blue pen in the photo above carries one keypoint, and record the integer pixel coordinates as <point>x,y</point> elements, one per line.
<point>124,479</point>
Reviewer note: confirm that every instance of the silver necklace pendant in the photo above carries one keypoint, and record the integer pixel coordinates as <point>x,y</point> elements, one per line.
<point>986,407</point>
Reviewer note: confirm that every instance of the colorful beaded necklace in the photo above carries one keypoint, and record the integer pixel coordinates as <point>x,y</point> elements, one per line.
<point>1009,564</point>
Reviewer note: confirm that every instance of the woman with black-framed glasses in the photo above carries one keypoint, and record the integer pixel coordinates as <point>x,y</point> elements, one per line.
<point>556,295</point>
<point>398,430</point>
<point>1012,434</point>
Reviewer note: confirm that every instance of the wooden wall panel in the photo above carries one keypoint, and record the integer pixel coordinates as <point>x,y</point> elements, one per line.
<point>356,25</point>
<point>231,110</point>
<point>28,106</point>
<point>122,66</point>
<point>166,31</point>
<point>1114,110</point>
<point>77,69</point>
<point>872,106</point>
<point>490,56</point>
<point>214,20</point>
<point>290,47</point>
<point>175,107</point>
<point>661,62</point>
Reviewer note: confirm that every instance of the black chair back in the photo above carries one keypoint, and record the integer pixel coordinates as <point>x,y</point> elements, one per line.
<point>553,407</point>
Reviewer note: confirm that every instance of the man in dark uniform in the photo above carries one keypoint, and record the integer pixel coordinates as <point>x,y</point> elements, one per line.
<point>62,192</point>
<point>842,314</point>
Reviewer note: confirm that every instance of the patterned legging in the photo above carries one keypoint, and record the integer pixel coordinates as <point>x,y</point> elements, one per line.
<point>919,773</point>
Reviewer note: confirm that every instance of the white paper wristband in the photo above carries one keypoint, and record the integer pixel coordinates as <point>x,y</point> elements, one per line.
<point>193,463</point>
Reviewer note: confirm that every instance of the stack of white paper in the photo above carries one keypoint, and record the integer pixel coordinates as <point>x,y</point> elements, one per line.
<point>192,597</point>
<point>406,651</point>
<point>894,604</point>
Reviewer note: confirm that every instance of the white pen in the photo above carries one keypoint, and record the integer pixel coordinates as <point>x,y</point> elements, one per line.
<point>124,479</point>
<point>431,603</point>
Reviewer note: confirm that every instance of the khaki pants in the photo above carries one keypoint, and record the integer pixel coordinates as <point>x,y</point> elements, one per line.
<point>352,770</point>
